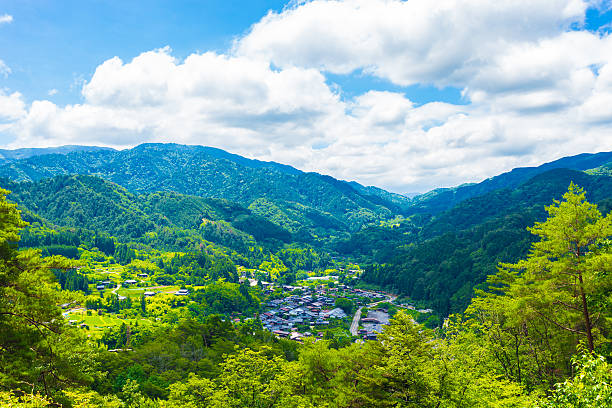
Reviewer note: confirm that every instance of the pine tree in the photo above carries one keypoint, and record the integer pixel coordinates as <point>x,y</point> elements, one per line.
<point>566,279</point>
<point>143,304</point>
<point>37,349</point>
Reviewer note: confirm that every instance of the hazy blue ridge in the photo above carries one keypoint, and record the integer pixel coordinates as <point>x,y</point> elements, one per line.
<point>442,199</point>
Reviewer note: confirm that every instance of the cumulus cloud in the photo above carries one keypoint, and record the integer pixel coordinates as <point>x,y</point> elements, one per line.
<point>208,98</point>
<point>537,87</point>
<point>12,106</point>
<point>6,18</point>
<point>443,42</point>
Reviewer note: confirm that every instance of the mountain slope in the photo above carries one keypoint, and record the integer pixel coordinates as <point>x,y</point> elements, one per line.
<point>209,172</point>
<point>454,252</point>
<point>95,204</point>
<point>442,199</point>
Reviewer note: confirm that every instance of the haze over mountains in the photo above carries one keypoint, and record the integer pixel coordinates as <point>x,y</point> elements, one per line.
<point>24,153</point>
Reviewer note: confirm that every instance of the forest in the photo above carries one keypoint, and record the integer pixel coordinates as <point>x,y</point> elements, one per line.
<point>537,336</point>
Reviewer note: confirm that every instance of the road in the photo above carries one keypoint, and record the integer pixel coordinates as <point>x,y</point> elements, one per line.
<point>355,323</point>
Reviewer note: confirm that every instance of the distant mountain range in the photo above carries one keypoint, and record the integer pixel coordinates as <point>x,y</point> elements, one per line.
<point>442,199</point>
<point>7,156</point>
<point>211,172</point>
<point>303,203</point>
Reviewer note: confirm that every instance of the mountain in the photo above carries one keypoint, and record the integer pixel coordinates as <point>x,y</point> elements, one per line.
<point>18,154</point>
<point>322,204</point>
<point>441,262</point>
<point>438,200</point>
<point>91,203</point>
<point>449,242</point>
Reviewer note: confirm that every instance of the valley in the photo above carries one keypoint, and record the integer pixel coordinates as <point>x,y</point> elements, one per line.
<point>185,266</point>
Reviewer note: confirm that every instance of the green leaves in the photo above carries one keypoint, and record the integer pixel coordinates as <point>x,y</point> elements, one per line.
<point>540,308</point>
<point>590,387</point>
<point>38,352</point>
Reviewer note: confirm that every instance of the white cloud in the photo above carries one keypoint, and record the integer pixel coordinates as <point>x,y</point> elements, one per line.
<point>208,98</point>
<point>443,42</point>
<point>52,92</point>
<point>6,18</point>
<point>536,91</point>
<point>5,70</point>
<point>12,106</point>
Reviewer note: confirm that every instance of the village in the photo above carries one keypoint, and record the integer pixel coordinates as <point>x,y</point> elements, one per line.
<point>318,307</point>
<point>310,311</point>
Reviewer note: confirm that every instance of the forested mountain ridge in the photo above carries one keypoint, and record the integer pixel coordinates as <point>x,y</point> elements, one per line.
<point>7,156</point>
<point>441,262</point>
<point>442,199</point>
<point>209,172</point>
<point>95,204</point>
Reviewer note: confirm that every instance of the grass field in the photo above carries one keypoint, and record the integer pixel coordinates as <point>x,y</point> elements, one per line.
<point>136,292</point>
<point>97,324</point>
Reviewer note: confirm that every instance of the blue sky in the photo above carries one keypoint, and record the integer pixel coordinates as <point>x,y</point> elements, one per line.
<point>56,47</point>
<point>55,43</point>
<point>407,95</point>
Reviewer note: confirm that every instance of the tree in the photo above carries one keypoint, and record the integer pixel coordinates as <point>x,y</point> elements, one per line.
<point>537,310</point>
<point>38,351</point>
<point>567,270</point>
<point>591,387</point>
<point>345,304</point>
<point>246,376</point>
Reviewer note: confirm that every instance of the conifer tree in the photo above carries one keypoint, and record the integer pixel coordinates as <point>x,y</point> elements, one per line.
<point>566,279</point>
<point>37,351</point>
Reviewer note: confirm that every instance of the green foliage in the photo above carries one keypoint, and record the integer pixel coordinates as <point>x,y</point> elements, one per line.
<point>540,308</point>
<point>456,251</point>
<point>345,304</point>
<point>38,352</point>
<point>226,297</point>
<point>566,277</point>
<point>208,349</point>
<point>72,280</point>
<point>590,387</point>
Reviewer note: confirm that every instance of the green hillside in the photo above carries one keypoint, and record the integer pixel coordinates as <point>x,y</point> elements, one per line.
<point>91,203</point>
<point>213,173</point>
<point>441,262</point>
